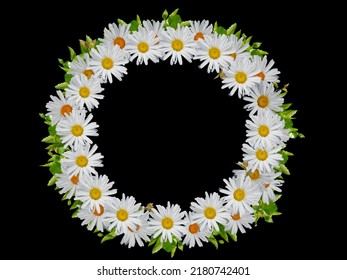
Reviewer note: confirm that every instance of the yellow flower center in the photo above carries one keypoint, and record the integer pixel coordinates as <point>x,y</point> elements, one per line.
<point>88,73</point>
<point>77,130</point>
<point>74,179</point>
<point>266,185</point>
<point>239,194</point>
<point>167,223</point>
<point>263,101</point>
<point>210,213</point>
<point>194,228</point>
<point>241,77</point>
<point>199,35</point>
<point>84,92</point>
<point>96,213</point>
<point>120,42</point>
<point>81,161</point>
<point>177,45</point>
<point>261,154</point>
<point>143,47</point>
<point>122,215</point>
<point>65,109</point>
<point>255,175</point>
<point>261,75</point>
<point>236,217</point>
<point>263,130</point>
<point>107,63</point>
<point>95,193</point>
<point>233,55</point>
<point>214,53</point>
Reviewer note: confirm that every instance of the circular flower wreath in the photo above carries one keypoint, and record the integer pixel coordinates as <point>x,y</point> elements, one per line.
<point>250,194</point>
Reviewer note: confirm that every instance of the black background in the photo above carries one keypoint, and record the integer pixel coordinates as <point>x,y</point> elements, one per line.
<point>167,133</point>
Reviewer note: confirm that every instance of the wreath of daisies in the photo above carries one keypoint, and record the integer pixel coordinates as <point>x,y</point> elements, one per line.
<point>249,194</point>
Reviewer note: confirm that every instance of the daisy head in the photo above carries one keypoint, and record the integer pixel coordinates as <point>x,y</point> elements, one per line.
<point>267,73</point>
<point>167,222</point>
<point>85,91</point>
<point>264,97</point>
<point>143,45</point>
<point>269,184</point>
<point>238,48</point>
<point>213,51</point>
<point>138,236</point>
<point>124,214</point>
<point>76,129</point>
<point>237,222</point>
<point>81,65</point>
<point>95,192</point>
<point>81,161</point>
<point>200,29</point>
<point>59,107</point>
<point>107,61</point>
<point>155,26</point>
<point>209,211</point>
<point>240,76</point>
<point>116,35</point>
<point>264,159</point>
<point>68,185</point>
<point>178,43</point>
<point>194,234</point>
<point>240,194</point>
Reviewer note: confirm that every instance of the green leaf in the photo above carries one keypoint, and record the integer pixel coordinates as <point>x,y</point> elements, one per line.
<point>287,114</point>
<point>52,181</point>
<point>76,204</point>
<point>256,45</point>
<point>55,168</point>
<point>168,247</point>
<point>180,245</point>
<point>49,139</point>
<point>270,208</point>
<point>213,240</point>
<point>165,15</point>
<point>231,29</point>
<point>286,106</point>
<point>173,21</point>
<point>109,236</point>
<point>62,86</point>
<point>157,247</point>
<point>120,21</point>
<point>134,26</point>
<point>284,169</point>
<point>233,236</point>
<point>238,34</point>
<point>221,30</point>
<point>72,54</point>
<point>152,241</point>
<point>215,26</point>
<point>173,251</point>
<point>222,233</point>
<point>74,215</point>
<point>174,13</point>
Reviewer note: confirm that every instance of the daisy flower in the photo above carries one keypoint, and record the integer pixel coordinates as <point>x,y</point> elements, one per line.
<point>267,73</point>
<point>124,214</point>
<point>240,76</point>
<point>265,130</point>
<point>263,159</point>
<point>95,191</point>
<point>76,128</point>
<point>143,45</point>
<point>116,35</point>
<point>156,26</point>
<point>240,194</point>
<point>209,211</point>
<point>238,47</point>
<point>200,29</point>
<point>213,51</point>
<point>59,107</point>
<point>167,222</point>
<point>237,222</point>
<point>81,66</point>
<point>81,161</point>
<point>85,91</point>
<point>269,185</point>
<point>178,43</point>
<point>194,234</point>
<point>67,185</point>
<point>140,234</point>
<point>264,97</point>
<point>94,219</point>
<point>107,61</point>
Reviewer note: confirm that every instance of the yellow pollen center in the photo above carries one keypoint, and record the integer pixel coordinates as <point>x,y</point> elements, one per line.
<point>233,55</point>
<point>241,77</point>
<point>236,217</point>
<point>120,42</point>
<point>122,215</point>
<point>167,223</point>
<point>214,53</point>
<point>210,213</point>
<point>263,101</point>
<point>263,130</point>
<point>239,194</point>
<point>261,75</point>
<point>199,35</point>
<point>177,45</point>
<point>74,179</point>
<point>255,175</point>
<point>107,63</point>
<point>65,109</point>
<point>194,228</point>
<point>261,154</point>
<point>84,92</point>
<point>77,130</point>
<point>95,193</point>
<point>143,47</point>
<point>88,73</point>
<point>81,161</point>
<point>96,213</point>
